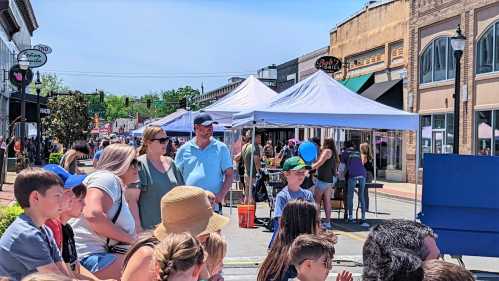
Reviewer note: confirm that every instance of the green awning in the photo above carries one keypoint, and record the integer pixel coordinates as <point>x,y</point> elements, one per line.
<point>359,84</point>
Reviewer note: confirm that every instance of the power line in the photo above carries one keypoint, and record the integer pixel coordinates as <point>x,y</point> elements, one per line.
<point>144,76</point>
<point>149,73</point>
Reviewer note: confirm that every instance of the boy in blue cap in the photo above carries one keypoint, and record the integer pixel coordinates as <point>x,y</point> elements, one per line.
<point>74,197</point>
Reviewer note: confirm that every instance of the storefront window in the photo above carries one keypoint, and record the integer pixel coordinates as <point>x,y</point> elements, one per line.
<point>485,52</point>
<point>484,132</point>
<point>436,133</point>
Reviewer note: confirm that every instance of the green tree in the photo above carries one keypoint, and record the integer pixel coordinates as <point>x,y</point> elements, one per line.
<point>50,83</point>
<point>69,120</point>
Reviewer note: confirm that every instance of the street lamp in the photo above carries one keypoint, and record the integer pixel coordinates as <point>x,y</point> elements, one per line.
<point>23,66</point>
<point>38,87</point>
<point>457,42</point>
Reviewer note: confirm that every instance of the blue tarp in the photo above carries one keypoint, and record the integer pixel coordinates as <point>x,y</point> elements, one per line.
<point>320,101</point>
<point>460,202</point>
<point>184,124</point>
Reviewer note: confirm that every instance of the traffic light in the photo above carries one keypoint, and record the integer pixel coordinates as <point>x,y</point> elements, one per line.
<point>101,96</point>
<point>183,103</point>
<point>148,103</point>
<point>127,101</point>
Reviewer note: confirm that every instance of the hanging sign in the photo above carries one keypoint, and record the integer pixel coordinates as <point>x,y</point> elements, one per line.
<point>328,64</point>
<point>35,57</point>
<point>44,48</point>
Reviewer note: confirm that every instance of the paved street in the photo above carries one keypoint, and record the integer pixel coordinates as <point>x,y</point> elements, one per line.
<point>247,247</point>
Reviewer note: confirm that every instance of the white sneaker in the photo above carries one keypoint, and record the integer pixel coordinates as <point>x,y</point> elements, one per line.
<point>365,224</point>
<point>327,225</point>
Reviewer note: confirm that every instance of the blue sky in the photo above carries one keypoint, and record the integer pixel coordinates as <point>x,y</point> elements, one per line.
<point>118,45</point>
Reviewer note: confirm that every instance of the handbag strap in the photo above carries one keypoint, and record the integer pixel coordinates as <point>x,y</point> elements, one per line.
<point>115,217</point>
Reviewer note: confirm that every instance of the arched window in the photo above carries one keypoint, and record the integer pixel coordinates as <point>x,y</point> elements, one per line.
<point>437,61</point>
<point>487,51</point>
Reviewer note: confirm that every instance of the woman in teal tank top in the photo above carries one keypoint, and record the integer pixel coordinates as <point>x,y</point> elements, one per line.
<point>158,175</point>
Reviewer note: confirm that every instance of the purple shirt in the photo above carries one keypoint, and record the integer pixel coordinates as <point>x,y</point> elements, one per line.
<point>355,168</point>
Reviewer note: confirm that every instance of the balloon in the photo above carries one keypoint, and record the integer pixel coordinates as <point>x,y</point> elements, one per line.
<point>308,151</point>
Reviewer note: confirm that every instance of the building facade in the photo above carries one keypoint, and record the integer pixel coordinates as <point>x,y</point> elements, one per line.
<point>287,75</point>
<point>17,23</point>
<point>372,44</point>
<point>306,63</point>
<point>432,76</point>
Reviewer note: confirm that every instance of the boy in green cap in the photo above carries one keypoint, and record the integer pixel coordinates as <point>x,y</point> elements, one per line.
<point>295,171</point>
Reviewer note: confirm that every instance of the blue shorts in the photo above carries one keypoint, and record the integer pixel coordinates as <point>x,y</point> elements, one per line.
<point>323,186</point>
<point>98,262</point>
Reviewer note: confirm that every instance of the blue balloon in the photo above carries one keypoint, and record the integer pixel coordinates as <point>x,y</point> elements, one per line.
<point>308,151</point>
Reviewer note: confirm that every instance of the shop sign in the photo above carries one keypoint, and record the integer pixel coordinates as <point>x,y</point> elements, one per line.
<point>328,64</point>
<point>35,57</point>
<point>44,48</point>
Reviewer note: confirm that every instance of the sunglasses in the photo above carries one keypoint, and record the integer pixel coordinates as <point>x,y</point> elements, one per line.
<point>161,140</point>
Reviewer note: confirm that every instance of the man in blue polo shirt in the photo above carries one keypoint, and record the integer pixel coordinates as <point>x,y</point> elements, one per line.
<point>205,162</point>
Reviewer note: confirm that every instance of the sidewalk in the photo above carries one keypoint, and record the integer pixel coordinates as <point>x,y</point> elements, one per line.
<point>7,193</point>
<point>399,190</point>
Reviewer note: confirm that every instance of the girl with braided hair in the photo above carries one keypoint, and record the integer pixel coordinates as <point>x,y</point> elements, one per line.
<point>178,257</point>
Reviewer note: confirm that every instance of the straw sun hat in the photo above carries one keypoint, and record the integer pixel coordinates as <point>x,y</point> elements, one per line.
<point>188,209</point>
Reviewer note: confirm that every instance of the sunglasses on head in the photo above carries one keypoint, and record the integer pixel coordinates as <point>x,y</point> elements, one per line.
<point>161,140</point>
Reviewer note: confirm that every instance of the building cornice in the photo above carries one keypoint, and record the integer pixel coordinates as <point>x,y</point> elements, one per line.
<point>28,15</point>
<point>8,20</point>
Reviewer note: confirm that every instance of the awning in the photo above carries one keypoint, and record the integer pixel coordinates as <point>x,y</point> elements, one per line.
<point>360,83</point>
<point>389,93</point>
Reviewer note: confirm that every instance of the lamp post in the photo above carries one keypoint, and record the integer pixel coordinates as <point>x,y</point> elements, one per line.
<point>458,42</point>
<point>38,87</point>
<point>24,66</point>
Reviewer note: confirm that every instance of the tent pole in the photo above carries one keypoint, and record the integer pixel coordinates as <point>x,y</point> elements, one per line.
<point>250,183</point>
<point>374,175</point>
<point>190,122</point>
<point>417,177</point>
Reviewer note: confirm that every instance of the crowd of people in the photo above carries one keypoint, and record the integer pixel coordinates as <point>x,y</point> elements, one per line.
<point>142,215</point>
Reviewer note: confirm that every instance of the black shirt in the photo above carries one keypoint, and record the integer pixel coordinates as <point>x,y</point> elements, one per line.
<point>69,254</point>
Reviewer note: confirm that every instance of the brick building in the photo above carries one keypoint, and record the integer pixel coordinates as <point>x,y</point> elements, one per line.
<point>373,44</point>
<point>432,71</point>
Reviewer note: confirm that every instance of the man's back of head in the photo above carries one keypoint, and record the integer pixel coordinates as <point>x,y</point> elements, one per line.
<point>395,250</point>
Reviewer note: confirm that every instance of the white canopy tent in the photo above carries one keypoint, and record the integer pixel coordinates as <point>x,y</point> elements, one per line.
<point>320,101</point>
<point>160,122</point>
<point>250,94</point>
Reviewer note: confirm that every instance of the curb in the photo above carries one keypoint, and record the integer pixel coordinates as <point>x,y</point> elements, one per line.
<point>393,196</point>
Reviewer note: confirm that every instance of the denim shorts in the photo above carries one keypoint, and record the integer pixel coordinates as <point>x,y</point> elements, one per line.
<point>98,262</point>
<point>323,186</point>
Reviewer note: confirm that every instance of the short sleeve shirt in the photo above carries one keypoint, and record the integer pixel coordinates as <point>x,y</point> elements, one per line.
<point>204,168</point>
<point>87,241</point>
<point>246,155</point>
<point>285,195</point>
<point>153,185</point>
<point>24,247</point>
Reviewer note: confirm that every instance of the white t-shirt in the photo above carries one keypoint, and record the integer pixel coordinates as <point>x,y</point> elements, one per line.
<point>87,241</point>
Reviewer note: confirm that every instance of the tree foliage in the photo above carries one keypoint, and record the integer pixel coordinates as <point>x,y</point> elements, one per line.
<point>68,120</point>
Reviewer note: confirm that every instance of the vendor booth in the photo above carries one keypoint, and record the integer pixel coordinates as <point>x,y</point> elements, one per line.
<point>320,101</point>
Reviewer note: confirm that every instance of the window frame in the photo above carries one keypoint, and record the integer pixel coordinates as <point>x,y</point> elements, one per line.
<point>492,28</point>
<point>431,45</point>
